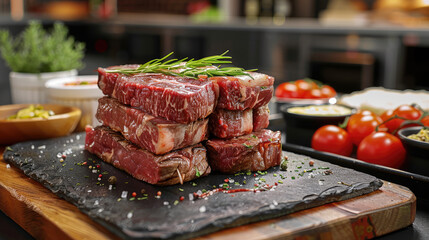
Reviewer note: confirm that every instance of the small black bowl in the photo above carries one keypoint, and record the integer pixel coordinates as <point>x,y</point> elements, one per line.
<point>417,151</point>
<point>301,127</point>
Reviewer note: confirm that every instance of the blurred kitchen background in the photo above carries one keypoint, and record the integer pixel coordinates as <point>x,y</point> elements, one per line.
<point>349,44</point>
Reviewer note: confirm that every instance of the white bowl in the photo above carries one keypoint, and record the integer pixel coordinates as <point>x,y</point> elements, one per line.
<point>84,97</point>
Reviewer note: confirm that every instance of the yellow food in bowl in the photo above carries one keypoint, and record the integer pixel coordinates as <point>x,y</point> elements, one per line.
<point>321,110</point>
<point>32,112</point>
<point>422,135</point>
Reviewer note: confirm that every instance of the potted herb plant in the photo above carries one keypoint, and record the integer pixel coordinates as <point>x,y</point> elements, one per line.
<point>35,56</point>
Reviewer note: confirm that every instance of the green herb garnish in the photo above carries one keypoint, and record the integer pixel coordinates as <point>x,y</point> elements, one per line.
<point>247,146</point>
<point>209,66</point>
<point>197,173</point>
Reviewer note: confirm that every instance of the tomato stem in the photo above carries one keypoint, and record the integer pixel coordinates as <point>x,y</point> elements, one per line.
<point>406,120</point>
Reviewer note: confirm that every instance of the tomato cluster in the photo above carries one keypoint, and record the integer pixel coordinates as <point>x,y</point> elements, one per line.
<point>304,89</point>
<point>374,136</point>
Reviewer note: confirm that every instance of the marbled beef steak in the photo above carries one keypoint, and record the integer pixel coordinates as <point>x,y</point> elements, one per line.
<point>257,151</point>
<point>244,92</point>
<point>178,99</point>
<point>171,168</point>
<point>261,118</point>
<point>230,123</point>
<point>155,134</point>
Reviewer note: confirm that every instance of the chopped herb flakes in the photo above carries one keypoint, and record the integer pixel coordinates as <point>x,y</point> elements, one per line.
<point>247,146</point>
<point>197,173</point>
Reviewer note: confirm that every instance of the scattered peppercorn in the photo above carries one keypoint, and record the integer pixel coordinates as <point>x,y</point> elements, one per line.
<point>112,180</point>
<point>143,190</point>
<point>311,163</point>
<point>134,194</point>
<point>158,193</point>
<point>182,198</point>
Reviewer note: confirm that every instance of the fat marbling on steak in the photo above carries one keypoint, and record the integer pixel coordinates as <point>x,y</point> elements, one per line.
<point>229,123</point>
<point>177,166</point>
<point>257,151</point>
<point>243,92</point>
<point>155,134</point>
<point>261,118</point>
<point>178,99</point>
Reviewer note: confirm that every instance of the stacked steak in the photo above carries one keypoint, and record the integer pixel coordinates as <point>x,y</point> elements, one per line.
<point>155,126</point>
<point>238,124</point>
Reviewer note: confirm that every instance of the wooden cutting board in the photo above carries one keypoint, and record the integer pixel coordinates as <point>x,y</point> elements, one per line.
<point>44,215</point>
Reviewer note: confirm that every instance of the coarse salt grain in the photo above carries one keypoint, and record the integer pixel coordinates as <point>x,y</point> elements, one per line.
<point>7,165</point>
<point>96,202</point>
<point>124,194</point>
<point>89,191</point>
<point>32,146</point>
<point>130,215</point>
<point>110,187</point>
<point>202,209</point>
<point>166,203</point>
<point>41,147</point>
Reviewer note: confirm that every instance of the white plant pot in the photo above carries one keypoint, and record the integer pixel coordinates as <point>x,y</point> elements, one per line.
<point>30,87</point>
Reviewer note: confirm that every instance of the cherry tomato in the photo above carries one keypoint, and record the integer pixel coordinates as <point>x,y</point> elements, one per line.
<point>315,93</point>
<point>382,148</point>
<point>405,111</point>
<point>333,139</point>
<point>366,112</point>
<point>361,125</point>
<point>425,121</point>
<point>287,90</point>
<point>386,114</point>
<point>328,91</point>
<point>305,87</point>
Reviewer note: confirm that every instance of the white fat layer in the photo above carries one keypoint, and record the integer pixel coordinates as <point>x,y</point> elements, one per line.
<point>247,121</point>
<point>166,139</point>
<point>259,79</point>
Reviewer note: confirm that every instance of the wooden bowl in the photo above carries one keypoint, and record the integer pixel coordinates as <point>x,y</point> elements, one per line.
<point>18,130</point>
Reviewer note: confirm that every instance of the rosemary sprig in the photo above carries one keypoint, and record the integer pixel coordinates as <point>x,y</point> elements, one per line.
<point>192,68</point>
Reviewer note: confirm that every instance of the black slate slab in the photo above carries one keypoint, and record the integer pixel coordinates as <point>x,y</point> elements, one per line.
<point>146,216</point>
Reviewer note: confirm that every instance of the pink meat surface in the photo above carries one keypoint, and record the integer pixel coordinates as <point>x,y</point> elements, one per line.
<point>229,123</point>
<point>257,151</point>
<point>178,99</point>
<point>155,134</point>
<point>261,118</point>
<point>243,92</point>
<point>171,168</point>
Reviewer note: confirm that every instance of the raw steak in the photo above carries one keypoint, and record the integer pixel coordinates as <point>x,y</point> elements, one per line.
<point>257,151</point>
<point>243,92</point>
<point>229,123</point>
<point>261,118</point>
<point>155,134</point>
<point>178,99</point>
<point>171,168</point>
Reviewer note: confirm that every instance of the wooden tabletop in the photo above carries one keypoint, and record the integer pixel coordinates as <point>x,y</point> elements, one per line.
<point>44,215</point>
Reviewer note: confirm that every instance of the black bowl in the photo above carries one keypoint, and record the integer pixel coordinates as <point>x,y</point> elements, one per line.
<point>417,151</point>
<point>300,127</point>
